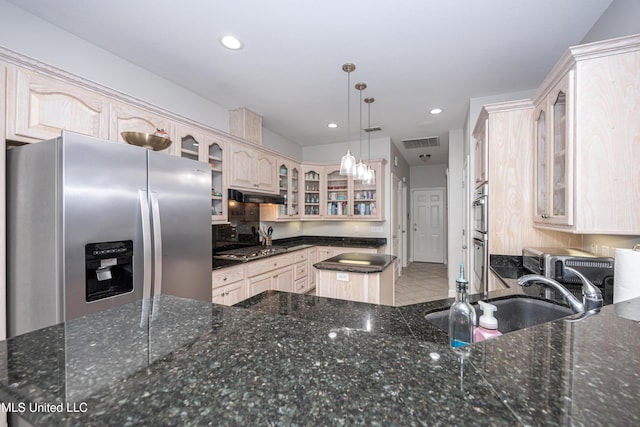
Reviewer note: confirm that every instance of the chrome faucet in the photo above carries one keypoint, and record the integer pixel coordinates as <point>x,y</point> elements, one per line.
<point>591,295</point>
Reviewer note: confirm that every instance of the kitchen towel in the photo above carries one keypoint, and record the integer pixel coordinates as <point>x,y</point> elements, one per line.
<point>626,283</point>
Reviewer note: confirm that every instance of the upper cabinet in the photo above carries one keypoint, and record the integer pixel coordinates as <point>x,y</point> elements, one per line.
<point>367,198</point>
<point>39,107</point>
<point>481,152</point>
<point>314,198</point>
<point>246,124</point>
<point>349,198</point>
<point>253,169</point>
<point>129,118</point>
<point>337,192</point>
<point>587,139</point>
<point>554,162</point>
<point>201,145</point>
<point>289,188</point>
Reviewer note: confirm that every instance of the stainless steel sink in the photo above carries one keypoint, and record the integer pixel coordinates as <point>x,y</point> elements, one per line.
<point>512,314</point>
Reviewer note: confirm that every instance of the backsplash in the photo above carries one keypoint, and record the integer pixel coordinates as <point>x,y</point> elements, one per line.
<point>605,245</point>
<point>242,230</point>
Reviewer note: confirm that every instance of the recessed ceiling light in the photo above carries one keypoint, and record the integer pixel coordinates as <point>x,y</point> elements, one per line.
<point>436,111</point>
<point>332,125</point>
<point>231,42</point>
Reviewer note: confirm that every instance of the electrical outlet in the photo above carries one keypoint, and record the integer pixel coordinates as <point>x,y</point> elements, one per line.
<point>356,229</point>
<point>605,251</point>
<point>595,249</point>
<point>376,229</point>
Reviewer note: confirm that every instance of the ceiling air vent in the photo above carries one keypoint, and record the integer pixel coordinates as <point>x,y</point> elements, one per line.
<point>432,141</point>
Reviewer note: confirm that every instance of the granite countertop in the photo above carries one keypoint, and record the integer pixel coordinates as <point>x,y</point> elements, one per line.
<point>290,359</point>
<point>297,243</point>
<point>357,263</point>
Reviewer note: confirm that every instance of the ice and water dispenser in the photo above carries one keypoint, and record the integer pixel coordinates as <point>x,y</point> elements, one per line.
<point>109,269</point>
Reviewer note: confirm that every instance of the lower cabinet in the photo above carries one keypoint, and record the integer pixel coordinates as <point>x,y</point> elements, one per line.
<point>291,272</point>
<point>228,285</point>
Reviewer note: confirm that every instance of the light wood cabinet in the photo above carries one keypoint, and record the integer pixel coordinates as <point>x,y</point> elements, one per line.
<point>198,144</point>
<point>40,107</point>
<point>273,273</point>
<point>283,279</point>
<point>129,118</point>
<point>368,200</point>
<point>506,129</point>
<point>301,276</point>
<point>481,152</point>
<point>246,124</point>
<point>289,189</point>
<point>373,288</point>
<point>351,199</point>
<point>280,279</point>
<point>554,161</point>
<point>253,169</point>
<point>228,285</point>
<point>312,186</point>
<point>592,140</point>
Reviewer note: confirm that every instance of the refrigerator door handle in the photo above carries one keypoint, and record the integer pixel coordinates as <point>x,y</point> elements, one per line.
<point>146,255</point>
<point>157,245</point>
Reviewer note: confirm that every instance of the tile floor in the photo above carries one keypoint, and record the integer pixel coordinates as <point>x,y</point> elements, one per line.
<point>422,282</point>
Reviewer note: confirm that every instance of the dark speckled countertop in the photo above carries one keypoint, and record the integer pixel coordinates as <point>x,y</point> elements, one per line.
<point>357,263</point>
<point>290,359</point>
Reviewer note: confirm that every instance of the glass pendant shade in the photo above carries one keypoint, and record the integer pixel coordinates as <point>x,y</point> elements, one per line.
<point>347,164</point>
<point>361,170</point>
<point>370,176</point>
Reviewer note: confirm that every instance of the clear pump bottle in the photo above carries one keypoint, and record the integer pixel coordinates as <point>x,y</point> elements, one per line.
<point>462,316</point>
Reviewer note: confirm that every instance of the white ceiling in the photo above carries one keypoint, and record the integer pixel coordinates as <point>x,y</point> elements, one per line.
<point>413,54</point>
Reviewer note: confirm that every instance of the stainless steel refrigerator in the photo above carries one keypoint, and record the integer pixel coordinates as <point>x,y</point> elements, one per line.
<point>93,224</point>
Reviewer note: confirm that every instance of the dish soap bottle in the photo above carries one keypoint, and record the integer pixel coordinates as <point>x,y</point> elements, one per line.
<point>462,317</point>
<point>488,324</point>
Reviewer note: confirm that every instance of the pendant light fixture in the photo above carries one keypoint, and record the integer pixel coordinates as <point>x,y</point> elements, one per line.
<point>370,175</point>
<point>348,162</point>
<point>361,168</point>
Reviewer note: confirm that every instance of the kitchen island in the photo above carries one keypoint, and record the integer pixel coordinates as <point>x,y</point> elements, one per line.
<point>357,277</point>
<point>284,358</point>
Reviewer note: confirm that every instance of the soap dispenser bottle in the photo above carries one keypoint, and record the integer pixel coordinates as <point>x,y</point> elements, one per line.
<point>488,324</point>
<point>462,316</point>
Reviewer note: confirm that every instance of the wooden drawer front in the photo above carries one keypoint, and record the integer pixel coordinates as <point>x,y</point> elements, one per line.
<point>301,255</point>
<point>301,270</point>
<point>300,285</point>
<point>271,263</point>
<point>228,275</point>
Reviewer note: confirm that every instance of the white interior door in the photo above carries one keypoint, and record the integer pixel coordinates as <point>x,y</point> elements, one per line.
<point>428,225</point>
<point>396,220</point>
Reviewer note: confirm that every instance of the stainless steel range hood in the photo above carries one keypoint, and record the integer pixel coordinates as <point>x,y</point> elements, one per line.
<point>239,196</point>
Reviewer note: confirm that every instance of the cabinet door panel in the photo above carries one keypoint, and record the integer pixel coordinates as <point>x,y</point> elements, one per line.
<point>127,118</point>
<point>242,161</point>
<point>40,107</point>
<point>266,172</point>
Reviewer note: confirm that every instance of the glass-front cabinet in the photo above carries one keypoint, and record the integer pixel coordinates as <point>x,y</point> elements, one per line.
<point>554,183</point>
<point>312,191</point>
<point>337,193</point>
<point>214,152</point>
<point>209,149</point>
<point>289,189</point>
<point>366,203</point>
<point>347,198</point>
